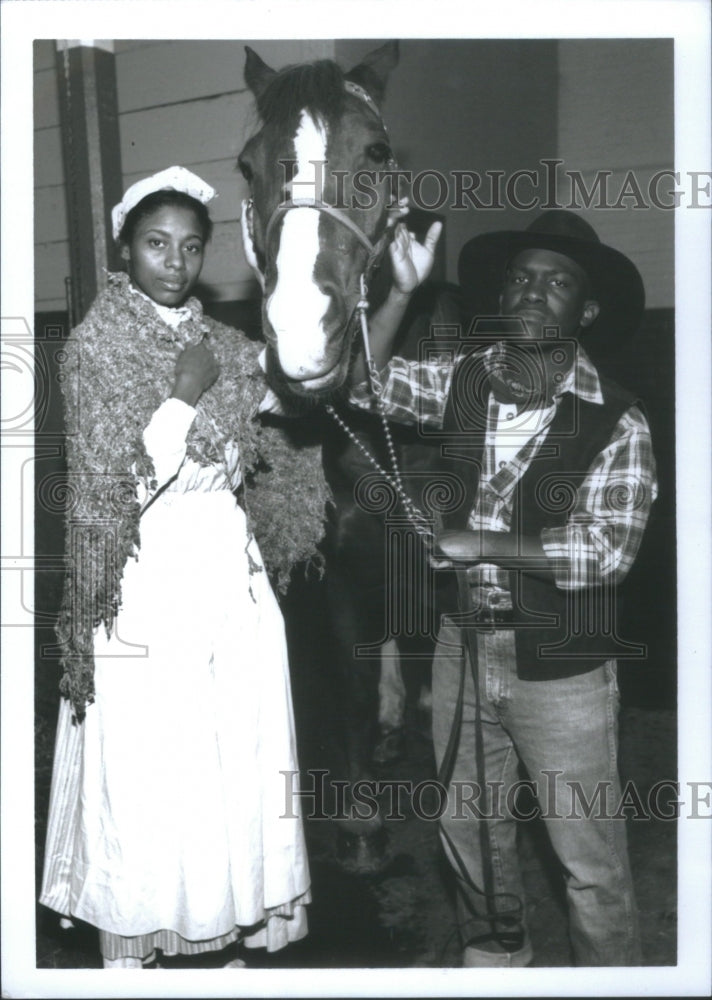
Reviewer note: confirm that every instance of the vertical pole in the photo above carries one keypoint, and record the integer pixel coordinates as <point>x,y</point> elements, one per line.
<point>92,161</point>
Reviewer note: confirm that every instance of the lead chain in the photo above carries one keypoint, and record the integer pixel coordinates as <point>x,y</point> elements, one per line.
<point>415,516</point>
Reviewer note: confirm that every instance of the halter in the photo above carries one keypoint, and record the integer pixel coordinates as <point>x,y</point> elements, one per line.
<point>375,251</point>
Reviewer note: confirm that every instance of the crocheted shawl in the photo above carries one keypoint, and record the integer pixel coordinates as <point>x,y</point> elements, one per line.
<point>119,369</point>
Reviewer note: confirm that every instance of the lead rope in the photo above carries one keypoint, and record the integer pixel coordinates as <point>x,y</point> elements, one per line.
<point>506,922</point>
<point>416,518</point>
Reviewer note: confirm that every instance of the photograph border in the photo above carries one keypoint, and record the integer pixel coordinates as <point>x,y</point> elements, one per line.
<point>687,22</point>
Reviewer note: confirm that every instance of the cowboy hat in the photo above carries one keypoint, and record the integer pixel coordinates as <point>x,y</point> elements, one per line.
<point>616,283</point>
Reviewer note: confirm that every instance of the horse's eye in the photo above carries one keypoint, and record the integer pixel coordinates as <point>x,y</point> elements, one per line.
<point>380,152</point>
<point>245,170</point>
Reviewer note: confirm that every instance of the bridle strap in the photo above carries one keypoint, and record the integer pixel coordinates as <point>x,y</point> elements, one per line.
<point>357,91</point>
<point>359,314</point>
<point>374,250</point>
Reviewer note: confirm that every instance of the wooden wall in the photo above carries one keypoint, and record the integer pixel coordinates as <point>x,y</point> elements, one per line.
<point>50,212</point>
<point>451,104</point>
<point>179,102</point>
<point>456,105</point>
<point>616,114</point>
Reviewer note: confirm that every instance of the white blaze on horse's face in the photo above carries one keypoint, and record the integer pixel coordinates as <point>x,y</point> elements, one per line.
<point>297,306</point>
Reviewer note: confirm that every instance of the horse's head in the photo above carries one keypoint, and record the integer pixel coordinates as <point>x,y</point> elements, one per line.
<point>320,194</point>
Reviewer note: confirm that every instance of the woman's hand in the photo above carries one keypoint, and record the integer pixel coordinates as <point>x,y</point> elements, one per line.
<point>196,370</point>
<point>412,261</point>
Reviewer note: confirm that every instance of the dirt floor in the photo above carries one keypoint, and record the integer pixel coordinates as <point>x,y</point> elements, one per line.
<point>404,917</point>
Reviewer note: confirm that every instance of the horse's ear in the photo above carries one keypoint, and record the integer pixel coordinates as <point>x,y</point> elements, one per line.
<point>373,70</point>
<point>257,73</point>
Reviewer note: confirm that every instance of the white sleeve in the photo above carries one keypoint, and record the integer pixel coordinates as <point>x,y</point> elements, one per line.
<point>164,438</point>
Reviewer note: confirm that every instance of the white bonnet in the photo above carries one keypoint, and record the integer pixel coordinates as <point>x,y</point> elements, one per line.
<point>171,179</point>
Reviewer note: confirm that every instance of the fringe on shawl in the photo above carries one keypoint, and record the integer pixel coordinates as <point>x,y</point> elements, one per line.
<point>286,499</point>
<point>285,491</point>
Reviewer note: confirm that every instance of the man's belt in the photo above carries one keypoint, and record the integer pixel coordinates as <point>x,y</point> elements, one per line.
<point>490,607</point>
<point>486,617</point>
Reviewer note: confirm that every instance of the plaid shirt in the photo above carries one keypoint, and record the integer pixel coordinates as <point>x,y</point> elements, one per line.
<point>605,525</point>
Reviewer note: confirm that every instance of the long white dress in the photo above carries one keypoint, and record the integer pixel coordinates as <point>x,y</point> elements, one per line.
<point>171,806</point>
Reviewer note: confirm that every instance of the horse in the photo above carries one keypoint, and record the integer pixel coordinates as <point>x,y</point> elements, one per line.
<point>320,244</point>
<point>315,233</point>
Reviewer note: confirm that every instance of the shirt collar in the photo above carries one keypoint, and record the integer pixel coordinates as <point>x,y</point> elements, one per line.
<point>171,316</point>
<point>581,379</point>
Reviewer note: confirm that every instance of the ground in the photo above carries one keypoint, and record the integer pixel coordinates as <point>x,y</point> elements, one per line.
<point>404,917</point>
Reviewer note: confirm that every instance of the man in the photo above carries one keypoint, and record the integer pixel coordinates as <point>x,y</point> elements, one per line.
<point>556,477</point>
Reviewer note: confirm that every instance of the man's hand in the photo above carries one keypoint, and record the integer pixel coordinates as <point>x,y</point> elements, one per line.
<point>412,261</point>
<point>456,549</point>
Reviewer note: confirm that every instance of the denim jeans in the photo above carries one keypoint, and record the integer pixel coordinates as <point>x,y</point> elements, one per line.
<point>564,731</point>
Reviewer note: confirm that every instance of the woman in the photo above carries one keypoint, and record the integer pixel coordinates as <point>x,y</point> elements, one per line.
<point>165,827</point>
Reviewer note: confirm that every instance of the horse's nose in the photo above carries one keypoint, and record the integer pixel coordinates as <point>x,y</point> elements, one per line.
<point>336,316</point>
<point>296,308</point>
<point>297,322</point>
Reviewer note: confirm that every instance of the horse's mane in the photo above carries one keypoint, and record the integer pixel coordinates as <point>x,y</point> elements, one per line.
<point>317,86</point>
